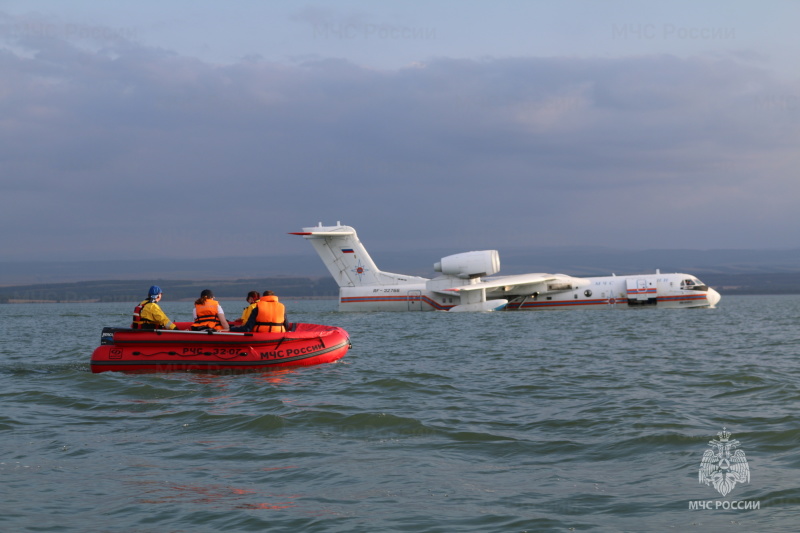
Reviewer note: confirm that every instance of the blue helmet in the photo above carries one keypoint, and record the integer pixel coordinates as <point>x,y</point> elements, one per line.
<point>154,291</point>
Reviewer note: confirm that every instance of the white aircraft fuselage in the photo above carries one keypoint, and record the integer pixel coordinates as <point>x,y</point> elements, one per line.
<point>467,283</point>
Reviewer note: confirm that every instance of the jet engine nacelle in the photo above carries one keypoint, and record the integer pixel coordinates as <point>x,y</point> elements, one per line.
<point>470,264</point>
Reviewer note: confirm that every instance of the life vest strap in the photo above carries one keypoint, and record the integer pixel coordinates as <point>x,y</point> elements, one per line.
<point>140,322</point>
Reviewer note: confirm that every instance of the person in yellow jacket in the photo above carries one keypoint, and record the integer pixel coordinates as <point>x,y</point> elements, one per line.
<point>208,314</point>
<point>148,314</point>
<point>268,316</point>
<point>252,301</point>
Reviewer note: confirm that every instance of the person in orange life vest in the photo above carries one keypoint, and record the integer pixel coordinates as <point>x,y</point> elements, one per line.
<point>148,315</point>
<point>208,314</point>
<point>268,316</point>
<point>252,301</point>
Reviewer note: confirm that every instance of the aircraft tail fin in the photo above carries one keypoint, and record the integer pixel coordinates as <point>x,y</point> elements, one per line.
<point>347,259</point>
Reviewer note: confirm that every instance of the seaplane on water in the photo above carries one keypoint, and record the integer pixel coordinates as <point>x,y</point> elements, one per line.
<point>466,283</point>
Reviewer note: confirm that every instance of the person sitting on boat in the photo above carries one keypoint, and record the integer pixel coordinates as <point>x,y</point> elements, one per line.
<point>268,316</point>
<point>252,301</point>
<point>208,314</point>
<point>148,314</point>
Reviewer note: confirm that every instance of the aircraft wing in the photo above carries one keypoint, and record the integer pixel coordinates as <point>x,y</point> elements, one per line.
<point>508,283</point>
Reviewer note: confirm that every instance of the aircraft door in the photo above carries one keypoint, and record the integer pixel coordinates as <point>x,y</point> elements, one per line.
<point>414,300</point>
<point>638,292</point>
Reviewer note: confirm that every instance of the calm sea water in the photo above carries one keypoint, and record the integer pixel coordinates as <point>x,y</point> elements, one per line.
<point>540,421</point>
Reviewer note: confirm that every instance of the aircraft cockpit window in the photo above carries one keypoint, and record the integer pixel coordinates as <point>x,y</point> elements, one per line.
<point>693,285</point>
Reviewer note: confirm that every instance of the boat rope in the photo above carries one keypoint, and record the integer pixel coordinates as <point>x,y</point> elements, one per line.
<point>222,356</point>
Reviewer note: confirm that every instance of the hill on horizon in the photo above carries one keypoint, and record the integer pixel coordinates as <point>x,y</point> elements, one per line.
<point>573,261</point>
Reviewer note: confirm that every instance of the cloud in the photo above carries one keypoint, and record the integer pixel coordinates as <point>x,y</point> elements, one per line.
<point>117,149</point>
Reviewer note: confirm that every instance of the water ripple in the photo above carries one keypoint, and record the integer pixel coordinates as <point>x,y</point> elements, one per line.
<point>550,421</point>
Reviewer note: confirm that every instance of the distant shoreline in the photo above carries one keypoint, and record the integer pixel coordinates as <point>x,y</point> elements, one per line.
<point>304,288</point>
<point>175,290</point>
<point>134,301</point>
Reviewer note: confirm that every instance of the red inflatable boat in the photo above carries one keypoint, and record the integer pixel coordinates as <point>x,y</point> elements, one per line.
<point>160,350</point>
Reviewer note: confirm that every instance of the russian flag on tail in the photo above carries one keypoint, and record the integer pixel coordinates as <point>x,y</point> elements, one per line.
<point>347,250</point>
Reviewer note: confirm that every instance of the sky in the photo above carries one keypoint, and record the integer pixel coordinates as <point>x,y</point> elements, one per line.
<point>192,129</point>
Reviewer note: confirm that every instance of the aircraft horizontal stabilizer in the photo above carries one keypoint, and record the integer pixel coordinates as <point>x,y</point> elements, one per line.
<point>323,233</point>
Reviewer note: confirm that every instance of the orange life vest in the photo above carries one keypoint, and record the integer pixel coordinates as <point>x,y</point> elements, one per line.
<point>271,315</point>
<point>207,315</point>
<point>138,321</point>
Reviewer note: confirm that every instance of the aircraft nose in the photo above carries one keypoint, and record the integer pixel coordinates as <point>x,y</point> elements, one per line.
<point>713,297</point>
